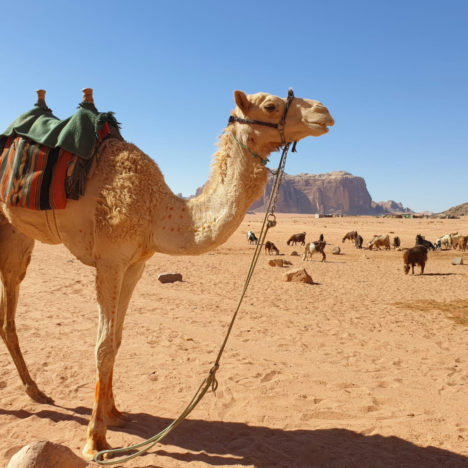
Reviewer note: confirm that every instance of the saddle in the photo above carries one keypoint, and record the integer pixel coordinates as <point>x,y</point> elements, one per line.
<point>44,161</point>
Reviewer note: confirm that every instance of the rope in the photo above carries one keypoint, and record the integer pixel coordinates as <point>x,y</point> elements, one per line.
<point>264,162</point>
<point>210,381</point>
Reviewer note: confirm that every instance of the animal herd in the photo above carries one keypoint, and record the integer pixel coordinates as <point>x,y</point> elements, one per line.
<point>412,256</point>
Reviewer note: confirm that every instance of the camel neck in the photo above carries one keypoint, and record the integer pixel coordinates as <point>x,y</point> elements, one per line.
<point>202,223</point>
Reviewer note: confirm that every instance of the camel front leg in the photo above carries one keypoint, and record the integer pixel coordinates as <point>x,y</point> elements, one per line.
<point>16,250</point>
<point>133,274</point>
<point>114,286</point>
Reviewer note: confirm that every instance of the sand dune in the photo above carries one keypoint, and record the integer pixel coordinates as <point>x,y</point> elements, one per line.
<point>366,368</point>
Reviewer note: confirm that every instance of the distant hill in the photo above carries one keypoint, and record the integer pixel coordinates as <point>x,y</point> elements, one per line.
<point>459,210</point>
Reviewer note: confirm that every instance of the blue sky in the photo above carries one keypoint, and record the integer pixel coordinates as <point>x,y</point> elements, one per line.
<point>394,75</point>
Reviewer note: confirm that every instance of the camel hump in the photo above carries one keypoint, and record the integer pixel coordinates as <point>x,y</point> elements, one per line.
<point>88,95</point>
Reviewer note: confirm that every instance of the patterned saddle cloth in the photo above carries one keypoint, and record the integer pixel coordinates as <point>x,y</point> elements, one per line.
<point>44,161</point>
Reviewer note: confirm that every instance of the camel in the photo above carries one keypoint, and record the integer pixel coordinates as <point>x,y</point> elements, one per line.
<point>128,213</point>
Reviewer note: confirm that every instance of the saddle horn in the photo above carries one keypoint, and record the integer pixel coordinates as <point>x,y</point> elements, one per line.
<point>41,100</point>
<point>88,100</point>
<point>88,95</point>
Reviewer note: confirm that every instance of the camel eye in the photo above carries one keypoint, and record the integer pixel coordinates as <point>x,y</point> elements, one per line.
<point>270,107</point>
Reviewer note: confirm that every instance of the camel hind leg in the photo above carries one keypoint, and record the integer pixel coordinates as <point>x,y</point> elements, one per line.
<point>15,255</point>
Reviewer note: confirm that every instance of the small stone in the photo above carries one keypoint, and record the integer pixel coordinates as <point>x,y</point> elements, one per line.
<point>277,262</point>
<point>294,254</point>
<point>169,277</point>
<point>45,454</point>
<point>153,376</point>
<point>336,251</point>
<point>457,261</point>
<point>298,276</point>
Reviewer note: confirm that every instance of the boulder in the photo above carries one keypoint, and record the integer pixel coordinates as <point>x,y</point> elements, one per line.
<point>169,277</point>
<point>457,261</point>
<point>336,251</point>
<point>298,276</point>
<point>45,454</point>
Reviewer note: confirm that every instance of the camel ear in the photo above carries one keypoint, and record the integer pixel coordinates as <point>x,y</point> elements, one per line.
<point>242,101</point>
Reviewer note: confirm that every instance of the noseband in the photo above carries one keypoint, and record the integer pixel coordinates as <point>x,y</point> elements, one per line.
<point>279,126</point>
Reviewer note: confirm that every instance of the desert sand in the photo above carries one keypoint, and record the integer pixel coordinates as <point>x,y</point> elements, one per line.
<point>366,368</point>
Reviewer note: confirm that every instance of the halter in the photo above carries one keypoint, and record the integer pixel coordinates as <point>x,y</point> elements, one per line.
<point>279,126</point>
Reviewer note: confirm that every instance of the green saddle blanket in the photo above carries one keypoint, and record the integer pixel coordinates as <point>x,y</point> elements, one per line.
<point>77,134</point>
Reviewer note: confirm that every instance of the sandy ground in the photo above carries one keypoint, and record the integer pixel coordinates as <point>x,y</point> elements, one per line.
<point>366,368</point>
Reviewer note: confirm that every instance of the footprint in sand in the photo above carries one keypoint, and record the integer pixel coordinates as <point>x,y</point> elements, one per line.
<point>269,376</point>
<point>383,384</point>
<point>2,384</point>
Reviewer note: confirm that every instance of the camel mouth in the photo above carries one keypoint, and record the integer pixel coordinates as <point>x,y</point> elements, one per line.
<point>322,127</point>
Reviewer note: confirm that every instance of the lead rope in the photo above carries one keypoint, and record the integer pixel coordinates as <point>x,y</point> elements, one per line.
<point>210,381</point>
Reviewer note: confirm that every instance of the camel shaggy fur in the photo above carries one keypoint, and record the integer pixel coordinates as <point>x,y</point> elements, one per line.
<point>128,213</point>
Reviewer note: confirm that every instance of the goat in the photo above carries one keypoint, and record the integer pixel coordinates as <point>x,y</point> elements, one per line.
<point>251,237</point>
<point>396,242</point>
<point>421,241</point>
<point>295,238</point>
<point>269,246</point>
<point>459,242</point>
<point>313,247</point>
<point>358,242</point>
<point>380,241</point>
<point>415,255</point>
<point>350,236</point>
<point>444,241</point>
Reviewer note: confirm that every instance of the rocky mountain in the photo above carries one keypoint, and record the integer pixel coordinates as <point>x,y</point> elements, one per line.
<point>390,206</point>
<point>337,192</point>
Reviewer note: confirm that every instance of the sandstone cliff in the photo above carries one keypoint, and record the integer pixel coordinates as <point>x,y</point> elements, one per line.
<point>337,192</point>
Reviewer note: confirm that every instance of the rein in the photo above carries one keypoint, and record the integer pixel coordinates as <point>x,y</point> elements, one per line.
<point>210,381</point>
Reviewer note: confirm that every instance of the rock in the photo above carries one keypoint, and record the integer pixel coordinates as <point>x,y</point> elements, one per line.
<point>298,276</point>
<point>45,454</point>
<point>457,261</point>
<point>294,254</point>
<point>336,251</point>
<point>169,277</point>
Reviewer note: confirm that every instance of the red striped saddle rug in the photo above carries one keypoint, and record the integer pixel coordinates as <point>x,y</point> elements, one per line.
<point>38,177</point>
<point>32,175</point>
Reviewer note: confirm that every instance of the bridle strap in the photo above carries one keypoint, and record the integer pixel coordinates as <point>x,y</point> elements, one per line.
<point>279,126</point>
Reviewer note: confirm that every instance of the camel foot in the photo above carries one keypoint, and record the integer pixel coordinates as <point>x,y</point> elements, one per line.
<point>37,395</point>
<point>116,419</point>
<point>93,446</point>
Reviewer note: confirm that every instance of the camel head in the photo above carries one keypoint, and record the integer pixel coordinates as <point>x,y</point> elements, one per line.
<point>305,117</point>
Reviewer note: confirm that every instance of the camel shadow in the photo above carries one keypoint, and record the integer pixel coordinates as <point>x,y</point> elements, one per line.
<point>218,443</point>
